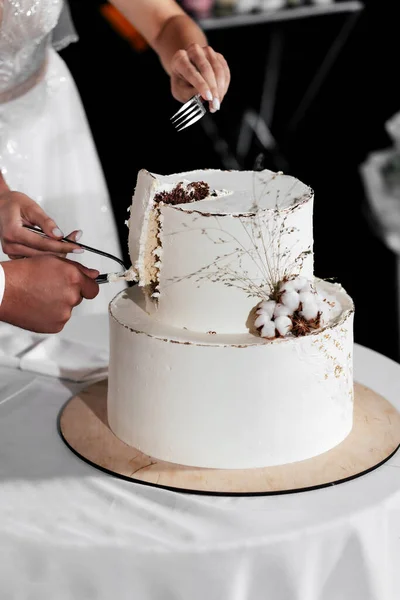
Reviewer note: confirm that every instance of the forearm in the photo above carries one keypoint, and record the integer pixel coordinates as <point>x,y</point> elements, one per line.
<point>10,285</point>
<point>8,302</point>
<point>2,285</point>
<point>164,25</point>
<point>177,34</point>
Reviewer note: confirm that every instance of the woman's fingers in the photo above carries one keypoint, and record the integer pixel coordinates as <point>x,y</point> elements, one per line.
<point>26,243</point>
<point>220,69</point>
<point>203,71</point>
<point>17,210</point>
<point>198,59</point>
<point>35,215</point>
<point>21,237</point>
<point>191,76</point>
<point>75,235</point>
<point>3,185</point>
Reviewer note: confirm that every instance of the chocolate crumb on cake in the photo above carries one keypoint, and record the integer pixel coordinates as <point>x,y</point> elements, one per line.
<point>180,194</point>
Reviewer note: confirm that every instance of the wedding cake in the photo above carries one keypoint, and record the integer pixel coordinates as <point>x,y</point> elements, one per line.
<point>228,353</point>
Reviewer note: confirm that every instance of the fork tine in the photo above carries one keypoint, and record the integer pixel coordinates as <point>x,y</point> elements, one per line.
<point>189,113</point>
<point>184,116</point>
<point>198,116</point>
<point>189,103</point>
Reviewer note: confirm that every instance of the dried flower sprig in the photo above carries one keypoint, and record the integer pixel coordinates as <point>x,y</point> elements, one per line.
<point>266,251</point>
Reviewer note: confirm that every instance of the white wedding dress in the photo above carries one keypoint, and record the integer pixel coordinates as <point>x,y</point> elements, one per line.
<point>46,147</point>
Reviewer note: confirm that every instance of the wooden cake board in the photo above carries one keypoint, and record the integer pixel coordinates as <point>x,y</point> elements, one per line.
<point>375,437</point>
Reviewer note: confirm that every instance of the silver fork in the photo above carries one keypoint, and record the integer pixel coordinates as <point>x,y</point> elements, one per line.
<point>189,113</point>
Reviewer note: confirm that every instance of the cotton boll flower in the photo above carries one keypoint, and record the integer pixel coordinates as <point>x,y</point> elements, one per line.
<point>282,311</point>
<point>308,287</point>
<point>268,306</point>
<point>300,283</point>
<point>283,325</point>
<point>288,286</point>
<point>309,311</point>
<point>262,320</point>
<point>291,300</point>
<point>268,330</point>
<point>306,297</point>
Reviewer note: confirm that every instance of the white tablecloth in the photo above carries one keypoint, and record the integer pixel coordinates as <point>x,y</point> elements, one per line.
<point>71,532</point>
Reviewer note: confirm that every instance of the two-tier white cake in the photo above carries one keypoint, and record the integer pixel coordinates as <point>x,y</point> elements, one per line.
<point>229,353</point>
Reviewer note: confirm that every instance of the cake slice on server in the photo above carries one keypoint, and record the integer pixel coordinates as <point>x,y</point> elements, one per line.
<point>229,353</point>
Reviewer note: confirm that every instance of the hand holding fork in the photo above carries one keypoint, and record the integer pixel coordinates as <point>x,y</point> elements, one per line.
<point>198,75</point>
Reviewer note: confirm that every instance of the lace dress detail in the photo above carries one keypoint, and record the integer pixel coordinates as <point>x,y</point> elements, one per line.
<point>25,33</point>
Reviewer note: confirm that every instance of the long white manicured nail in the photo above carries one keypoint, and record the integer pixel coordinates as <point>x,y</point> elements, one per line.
<point>78,235</point>
<point>209,95</point>
<point>57,232</point>
<point>78,250</point>
<point>215,104</point>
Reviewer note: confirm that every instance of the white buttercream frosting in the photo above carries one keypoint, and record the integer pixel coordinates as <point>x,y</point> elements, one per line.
<point>229,353</point>
<point>224,250</point>
<point>228,400</point>
<point>128,275</point>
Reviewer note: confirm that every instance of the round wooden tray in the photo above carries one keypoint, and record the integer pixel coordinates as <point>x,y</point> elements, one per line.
<point>375,437</point>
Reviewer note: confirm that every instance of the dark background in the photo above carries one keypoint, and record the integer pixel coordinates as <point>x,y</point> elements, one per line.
<point>128,102</point>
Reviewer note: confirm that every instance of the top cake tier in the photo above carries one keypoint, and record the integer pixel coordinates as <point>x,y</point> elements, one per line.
<point>207,246</point>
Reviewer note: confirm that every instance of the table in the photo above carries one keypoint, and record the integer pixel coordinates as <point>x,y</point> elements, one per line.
<point>258,123</point>
<point>71,532</point>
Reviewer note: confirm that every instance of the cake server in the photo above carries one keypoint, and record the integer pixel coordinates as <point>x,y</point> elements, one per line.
<point>102,278</point>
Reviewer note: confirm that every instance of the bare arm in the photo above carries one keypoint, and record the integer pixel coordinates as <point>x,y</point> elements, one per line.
<point>164,25</point>
<point>194,67</point>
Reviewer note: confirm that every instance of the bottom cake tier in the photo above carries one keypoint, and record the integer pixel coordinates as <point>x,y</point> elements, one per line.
<point>229,401</point>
